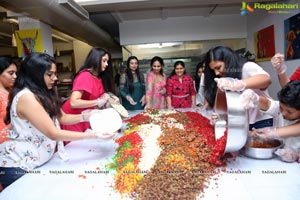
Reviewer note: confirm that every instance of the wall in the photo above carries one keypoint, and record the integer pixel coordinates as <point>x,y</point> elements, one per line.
<point>183,29</point>
<point>81,51</point>
<point>261,19</point>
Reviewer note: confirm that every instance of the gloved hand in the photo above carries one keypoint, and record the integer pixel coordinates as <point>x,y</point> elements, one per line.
<point>105,136</point>
<point>214,117</point>
<point>103,100</point>
<point>114,97</point>
<point>131,101</point>
<point>278,63</point>
<point>143,100</point>
<point>266,133</point>
<point>288,155</point>
<point>86,114</point>
<point>249,99</point>
<point>232,84</point>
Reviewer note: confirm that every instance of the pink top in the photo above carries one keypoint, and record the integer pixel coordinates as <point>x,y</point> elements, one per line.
<point>92,88</point>
<point>156,90</point>
<point>4,129</point>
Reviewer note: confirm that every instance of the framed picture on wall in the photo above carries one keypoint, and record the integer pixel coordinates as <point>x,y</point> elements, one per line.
<point>264,44</point>
<point>29,41</point>
<point>292,37</point>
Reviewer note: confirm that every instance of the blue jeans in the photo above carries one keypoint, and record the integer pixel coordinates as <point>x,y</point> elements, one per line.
<point>8,175</point>
<point>262,124</point>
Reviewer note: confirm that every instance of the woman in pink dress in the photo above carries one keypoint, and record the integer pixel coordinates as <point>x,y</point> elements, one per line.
<point>156,85</point>
<point>180,88</point>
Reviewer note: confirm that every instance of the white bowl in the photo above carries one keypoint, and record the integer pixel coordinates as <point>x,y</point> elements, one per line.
<point>106,121</point>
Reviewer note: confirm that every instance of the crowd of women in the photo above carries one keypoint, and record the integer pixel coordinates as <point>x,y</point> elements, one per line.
<point>34,120</point>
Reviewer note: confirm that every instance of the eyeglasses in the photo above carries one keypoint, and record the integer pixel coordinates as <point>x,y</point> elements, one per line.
<point>52,75</point>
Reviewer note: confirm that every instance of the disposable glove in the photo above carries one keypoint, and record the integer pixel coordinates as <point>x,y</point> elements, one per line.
<point>131,101</point>
<point>232,84</point>
<point>278,63</point>
<point>105,136</point>
<point>86,114</point>
<point>266,133</point>
<point>249,99</point>
<point>114,97</point>
<point>288,155</point>
<point>143,100</point>
<point>103,100</point>
<point>214,117</point>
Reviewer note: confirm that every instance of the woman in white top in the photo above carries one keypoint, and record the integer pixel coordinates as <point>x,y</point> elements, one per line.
<point>227,70</point>
<point>34,112</point>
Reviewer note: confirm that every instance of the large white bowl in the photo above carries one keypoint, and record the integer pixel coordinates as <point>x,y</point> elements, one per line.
<point>106,121</point>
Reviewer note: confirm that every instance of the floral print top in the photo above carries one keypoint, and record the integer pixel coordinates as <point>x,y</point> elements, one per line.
<point>156,90</point>
<point>27,147</point>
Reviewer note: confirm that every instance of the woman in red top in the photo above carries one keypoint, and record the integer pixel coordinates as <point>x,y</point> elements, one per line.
<point>180,88</point>
<point>90,87</point>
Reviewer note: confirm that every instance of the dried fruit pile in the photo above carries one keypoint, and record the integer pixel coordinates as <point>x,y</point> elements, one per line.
<point>166,155</point>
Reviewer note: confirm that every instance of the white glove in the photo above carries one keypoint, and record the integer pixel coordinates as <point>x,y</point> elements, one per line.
<point>266,133</point>
<point>86,114</point>
<point>105,136</point>
<point>232,84</point>
<point>131,101</point>
<point>114,97</point>
<point>288,155</point>
<point>214,117</point>
<point>103,100</point>
<point>143,100</point>
<point>278,63</point>
<point>249,99</point>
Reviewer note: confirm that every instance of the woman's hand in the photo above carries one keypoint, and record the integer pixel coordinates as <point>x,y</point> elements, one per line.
<point>232,84</point>
<point>277,62</point>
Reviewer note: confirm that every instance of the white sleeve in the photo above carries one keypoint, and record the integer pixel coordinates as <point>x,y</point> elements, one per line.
<point>252,69</point>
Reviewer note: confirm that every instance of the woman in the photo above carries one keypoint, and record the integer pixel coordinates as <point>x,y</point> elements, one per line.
<point>8,70</point>
<point>180,88</point>
<point>90,87</point>
<point>199,85</point>
<point>132,86</point>
<point>226,70</point>
<point>34,113</point>
<point>156,85</point>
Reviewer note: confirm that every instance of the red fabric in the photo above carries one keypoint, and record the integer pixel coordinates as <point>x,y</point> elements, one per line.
<point>296,75</point>
<point>174,87</point>
<point>92,88</point>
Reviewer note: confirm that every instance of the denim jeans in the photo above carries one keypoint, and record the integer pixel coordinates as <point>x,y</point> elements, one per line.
<point>262,124</point>
<point>9,175</point>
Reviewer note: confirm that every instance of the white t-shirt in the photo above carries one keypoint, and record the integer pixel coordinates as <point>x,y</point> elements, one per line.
<point>251,69</point>
<point>27,148</point>
<point>279,121</point>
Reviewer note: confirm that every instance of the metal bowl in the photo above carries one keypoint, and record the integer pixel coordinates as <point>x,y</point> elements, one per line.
<point>261,149</point>
<point>230,109</point>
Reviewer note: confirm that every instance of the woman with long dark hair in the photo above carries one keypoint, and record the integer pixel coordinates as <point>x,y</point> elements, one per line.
<point>34,114</point>
<point>132,86</point>
<point>156,85</point>
<point>227,70</point>
<point>91,85</point>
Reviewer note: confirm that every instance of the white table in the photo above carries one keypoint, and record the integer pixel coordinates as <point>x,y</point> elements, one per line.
<point>256,182</point>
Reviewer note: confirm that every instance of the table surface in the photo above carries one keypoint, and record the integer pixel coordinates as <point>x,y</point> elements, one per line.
<point>79,178</point>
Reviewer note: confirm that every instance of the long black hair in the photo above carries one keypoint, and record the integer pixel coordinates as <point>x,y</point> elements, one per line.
<point>130,75</point>
<point>179,62</point>
<point>31,76</point>
<point>233,68</point>
<point>93,62</point>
